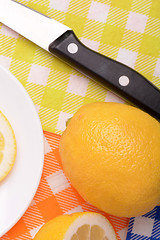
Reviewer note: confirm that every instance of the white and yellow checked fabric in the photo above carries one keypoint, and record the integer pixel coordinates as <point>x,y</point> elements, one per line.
<point>126,30</point>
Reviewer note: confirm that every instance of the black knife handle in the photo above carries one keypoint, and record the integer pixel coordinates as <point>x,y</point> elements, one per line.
<point>117,77</point>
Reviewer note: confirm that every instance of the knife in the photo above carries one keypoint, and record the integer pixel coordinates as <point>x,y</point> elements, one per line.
<point>61,41</point>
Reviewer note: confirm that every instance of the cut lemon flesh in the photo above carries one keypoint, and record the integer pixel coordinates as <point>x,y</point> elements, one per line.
<point>77,226</point>
<point>88,232</point>
<point>7,147</point>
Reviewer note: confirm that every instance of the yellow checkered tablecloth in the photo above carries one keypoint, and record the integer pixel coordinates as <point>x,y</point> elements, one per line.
<point>125,30</point>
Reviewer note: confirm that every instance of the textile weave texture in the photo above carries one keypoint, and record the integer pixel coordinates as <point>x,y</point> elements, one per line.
<point>125,30</point>
<point>145,227</point>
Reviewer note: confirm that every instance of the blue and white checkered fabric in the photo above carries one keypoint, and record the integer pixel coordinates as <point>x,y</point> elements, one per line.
<point>145,227</point>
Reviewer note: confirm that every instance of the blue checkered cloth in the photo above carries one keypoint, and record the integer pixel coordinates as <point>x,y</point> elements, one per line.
<point>145,227</point>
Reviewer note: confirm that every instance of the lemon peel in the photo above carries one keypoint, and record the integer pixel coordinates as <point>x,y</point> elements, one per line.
<point>77,226</point>
<point>7,147</point>
<point>111,154</point>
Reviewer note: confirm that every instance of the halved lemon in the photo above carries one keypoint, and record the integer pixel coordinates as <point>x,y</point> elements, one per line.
<point>7,147</point>
<point>77,226</point>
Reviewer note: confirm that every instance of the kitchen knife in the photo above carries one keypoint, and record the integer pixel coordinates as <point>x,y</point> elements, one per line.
<point>61,41</point>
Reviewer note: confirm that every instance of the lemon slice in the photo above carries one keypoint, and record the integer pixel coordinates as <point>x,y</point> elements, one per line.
<point>7,147</point>
<point>77,226</point>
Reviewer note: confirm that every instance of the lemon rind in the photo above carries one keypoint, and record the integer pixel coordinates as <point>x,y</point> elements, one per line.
<point>10,149</point>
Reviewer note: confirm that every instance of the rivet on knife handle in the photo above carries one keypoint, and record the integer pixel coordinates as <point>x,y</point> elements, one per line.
<point>119,78</point>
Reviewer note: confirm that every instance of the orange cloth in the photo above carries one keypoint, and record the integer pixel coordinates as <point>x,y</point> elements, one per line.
<point>55,196</point>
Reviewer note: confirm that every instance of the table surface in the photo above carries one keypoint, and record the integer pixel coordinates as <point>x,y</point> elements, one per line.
<point>127,31</point>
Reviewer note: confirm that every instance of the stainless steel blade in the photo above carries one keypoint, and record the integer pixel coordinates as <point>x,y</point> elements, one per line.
<point>34,26</point>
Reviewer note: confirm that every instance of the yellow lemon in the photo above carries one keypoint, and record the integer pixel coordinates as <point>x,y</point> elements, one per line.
<point>111,154</point>
<point>7,147</point>
<point>77,226</point>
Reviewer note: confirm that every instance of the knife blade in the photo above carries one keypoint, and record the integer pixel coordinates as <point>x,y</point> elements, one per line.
<point>62,42</point>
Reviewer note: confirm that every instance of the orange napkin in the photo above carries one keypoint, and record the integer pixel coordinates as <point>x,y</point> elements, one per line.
<point>55,196</point>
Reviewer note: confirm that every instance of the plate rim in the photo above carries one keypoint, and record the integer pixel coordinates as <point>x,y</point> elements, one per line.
<point>41,160</point>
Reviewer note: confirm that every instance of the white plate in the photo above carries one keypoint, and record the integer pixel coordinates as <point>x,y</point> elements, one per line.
<point>19,187</point>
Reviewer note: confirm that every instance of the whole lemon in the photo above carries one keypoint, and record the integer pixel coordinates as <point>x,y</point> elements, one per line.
<point>111,154</point>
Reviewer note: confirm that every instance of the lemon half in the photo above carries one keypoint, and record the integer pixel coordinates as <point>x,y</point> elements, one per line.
<point>77,226</point>
<point>7,147</point>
